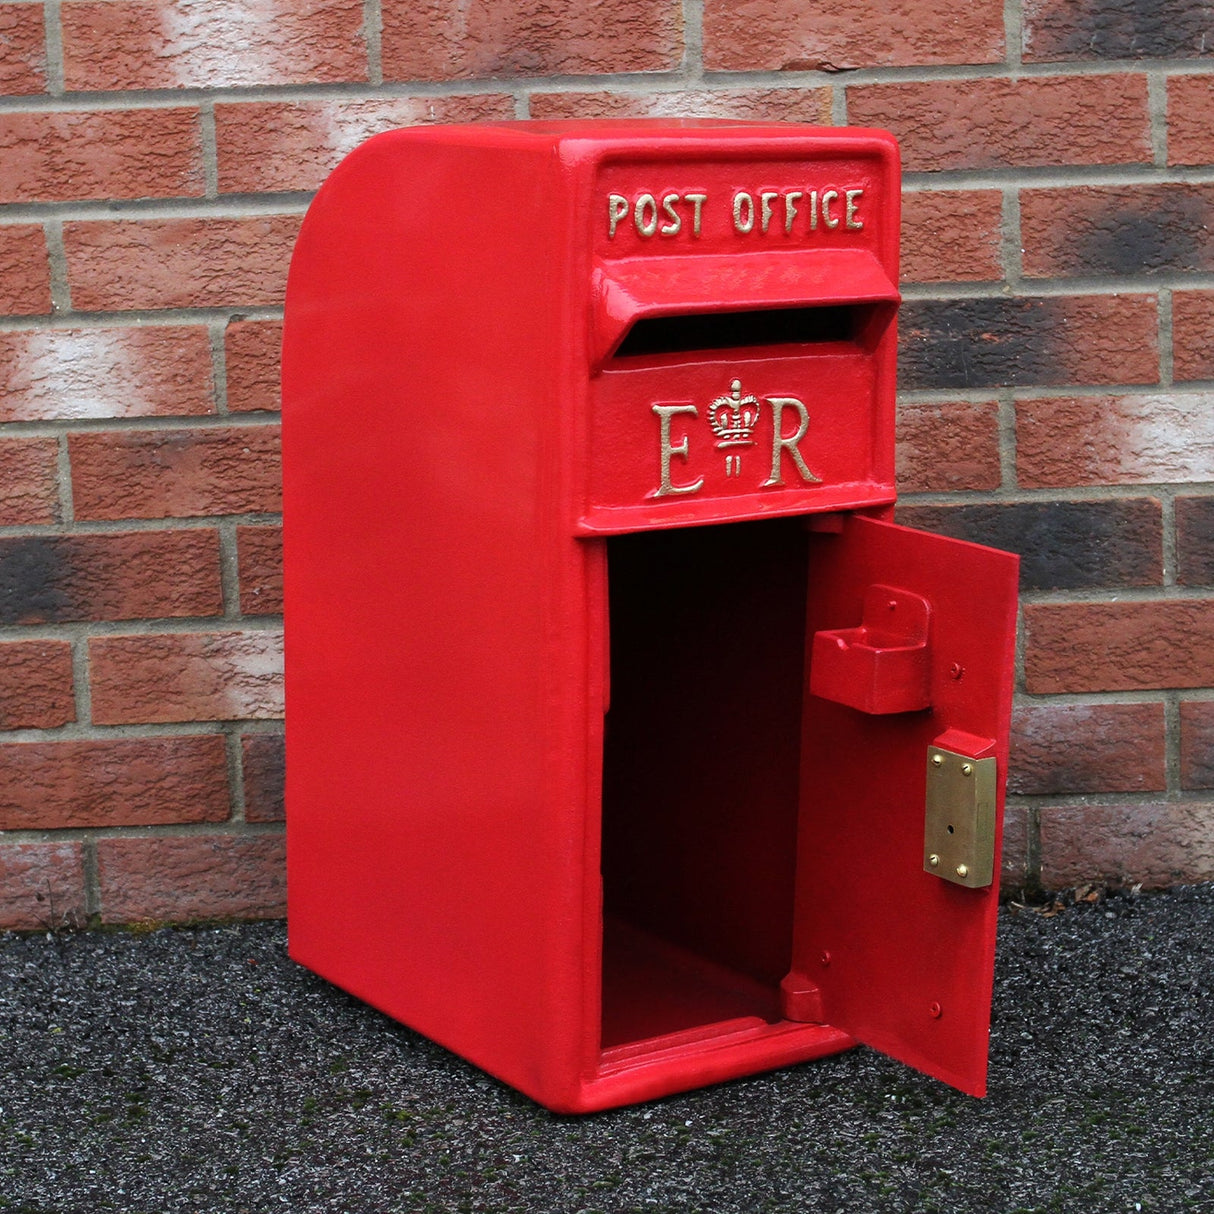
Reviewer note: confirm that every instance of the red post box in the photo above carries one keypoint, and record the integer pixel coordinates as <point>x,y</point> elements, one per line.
<point>631,746</point>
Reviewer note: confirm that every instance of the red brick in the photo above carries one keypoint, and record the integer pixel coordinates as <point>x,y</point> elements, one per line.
<point>112,576</point>
<point>1190,119</point>
<point>194,676</point>
<point>36,684</point>
<point>1115,29</point>
<point>1087,748</point>
<point>789,35</point>
<point>25,271</point>
<point>441,40</point>
<point>1195,541</point>
<point>751,104</point>
<point>175,473</point>
<point>29,487</point>
<point>1197,744</point>
<point>976,343</point>
<point>997,123</point>
<point>113,782</point>
<point>1014,865</point>
<point>259,554</point>
<point>252,349</point>
<point>1193,335</point>
<point>183,878</point>
<point>156,44</point>
<point>179,263</point>
<point>263,757</point>
<point>41,886</point>
<point>55,156</point>
<point>1130,646</point>
<point>68,374</point>
<point>1157,844</point>
<point>948,445</point>
<point>951,236</point>
<point>1115,440</point>
<point>1082,231</point>
<point>22,49</point>
<point>292,145</point>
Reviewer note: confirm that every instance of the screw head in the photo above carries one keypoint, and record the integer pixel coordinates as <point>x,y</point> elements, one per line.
<point>934,1010</point>
<point>933,860</point>
<point>937,760</point>
<point>963,870</point>
<point>967,769</point>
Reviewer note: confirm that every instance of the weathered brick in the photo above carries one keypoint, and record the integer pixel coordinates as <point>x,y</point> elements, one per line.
<point>439,40</point>
<point>1013,867</point>
<point>58,155</point>
<point>1157,844</point>
<point>179,263</point>
<point>986,343</point>
<point>292,145</point>
<point>789,35</point>
<point>112,576</point>
<point>263,757</point>
<point>1115,29</point>
<point>1195,541</point>
<point>951,236</point>
<point>25,273</point>
<point>1087,748</point>
<point>41,886</point>
<point>259,556</point>
<point>113,782</point>
<point>752,104</point>
<point>1115,440</point>
<point>156,44</point>
<point>183,878</point>
<point>1081,231</point>
<point>948,445</point>
<point>1062,545</point>
<point>1132,646</point>
<point>1190,119</point>
<point>56,374</point>
<point>175,473</point>
<point>29,487</point>
<point>36,684</point>
<point>252,349</point>
<point>1192,335</point>
<point>1197,744</point>
<point>996,123</point>
<point>199,676</point>
<point>23,47</point>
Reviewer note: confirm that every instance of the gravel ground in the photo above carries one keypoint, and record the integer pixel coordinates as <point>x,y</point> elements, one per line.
<point>200,1070</point>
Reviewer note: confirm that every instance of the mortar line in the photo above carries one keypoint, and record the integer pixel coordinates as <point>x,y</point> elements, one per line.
<point>1171,741</point>
<point>235,768</point>
<point>61,294</point>
<point>210,148</point>
<point>373,30</point>
<point>229,570</point>
<point>1006,419</point>
<point>1013,34</point>
<point>1010,247</point>
<point>693,41</point>
<point>1164,321</point>
<point>63,481</point>
<point>216,331</point>
<point>156,831</point>
<point>838,100</point>
<point>53,29</point>
<point>1168,546</point>
<point>92,877</point>
<point>1157,110</point>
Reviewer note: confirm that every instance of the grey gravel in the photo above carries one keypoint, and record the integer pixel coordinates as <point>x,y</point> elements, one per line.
<point>201,1070</point>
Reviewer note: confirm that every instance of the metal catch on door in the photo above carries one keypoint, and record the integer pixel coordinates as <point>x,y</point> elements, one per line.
<point>959,833</point>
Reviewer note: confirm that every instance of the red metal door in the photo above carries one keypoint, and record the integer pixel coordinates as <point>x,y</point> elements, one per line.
<point>896,955</point>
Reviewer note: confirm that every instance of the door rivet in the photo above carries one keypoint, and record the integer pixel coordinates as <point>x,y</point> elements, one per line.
<point>937,760</point>
<point>963,870</point>
<point>934,1010</point>
<point>967,769</point>
<point>933,860</point>
<point>825,957</point>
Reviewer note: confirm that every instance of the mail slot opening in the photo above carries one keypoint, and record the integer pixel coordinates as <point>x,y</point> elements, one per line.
<point>701,774</point>
<point>728,330</point>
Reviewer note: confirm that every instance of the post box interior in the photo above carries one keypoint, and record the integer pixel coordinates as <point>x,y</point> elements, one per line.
<point>701,774</point>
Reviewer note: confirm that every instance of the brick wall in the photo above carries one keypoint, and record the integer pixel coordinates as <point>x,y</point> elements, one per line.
<point>156,157</point>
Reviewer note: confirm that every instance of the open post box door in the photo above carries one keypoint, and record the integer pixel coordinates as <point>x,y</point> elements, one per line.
<point>893,949</point>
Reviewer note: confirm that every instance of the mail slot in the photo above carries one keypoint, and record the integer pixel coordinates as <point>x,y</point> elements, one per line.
<point>631,745</point>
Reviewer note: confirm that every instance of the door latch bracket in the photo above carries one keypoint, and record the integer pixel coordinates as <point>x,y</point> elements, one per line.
<point>959,831</point>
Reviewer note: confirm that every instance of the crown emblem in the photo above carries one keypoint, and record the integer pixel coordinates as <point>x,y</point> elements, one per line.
<point>733,417</point>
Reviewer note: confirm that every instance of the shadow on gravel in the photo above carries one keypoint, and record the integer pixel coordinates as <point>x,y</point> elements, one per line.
<point>200,1070</point>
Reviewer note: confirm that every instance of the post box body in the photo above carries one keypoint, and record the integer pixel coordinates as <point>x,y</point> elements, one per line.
<point>617,708</point>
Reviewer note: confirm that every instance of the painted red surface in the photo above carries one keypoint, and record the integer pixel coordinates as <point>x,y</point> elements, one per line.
<point>560,792</point>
